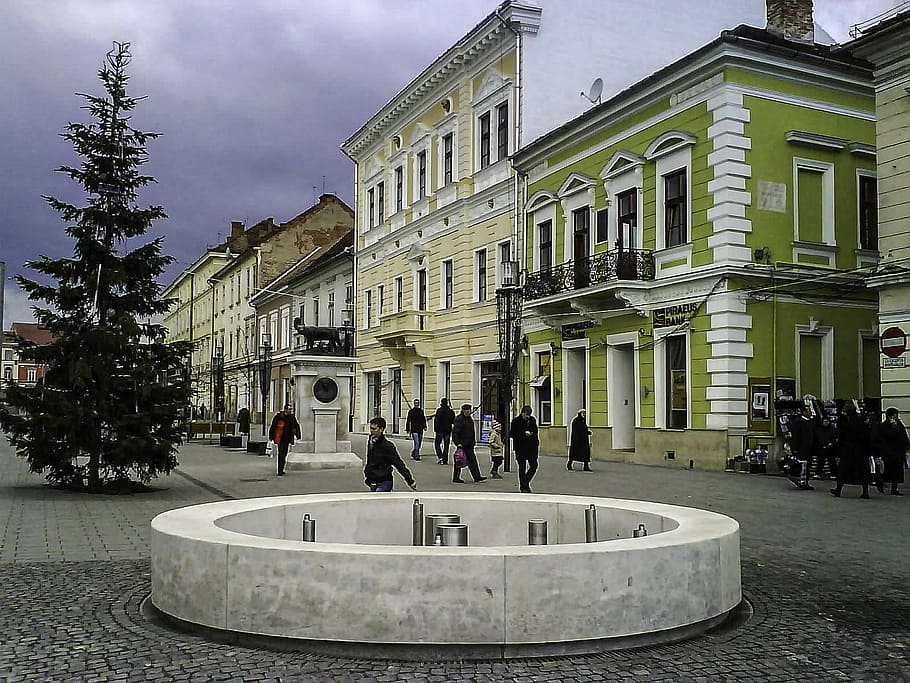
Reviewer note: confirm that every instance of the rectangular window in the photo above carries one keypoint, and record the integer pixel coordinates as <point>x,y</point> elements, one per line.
<point>399,294</point>
<point>675,224</point>
<point>420,378</point>
<point>422,289</point>
<point>484,126</point>
<point>399,188</point>
<point>371,208</point>
<point>380,290</point>
<point>316,311</point>
<point>369,309</point>
<point>331,306</point>
<point>868,213</point>
<point>448,289</point>
<point>677,382</point>
<point>380,202</point>
<point>481,270</point>
<point>285,328</point>
<point>810,203</point>
<point>502,131</point>
<point>545,245</point>
<point>448,143</point>
<point>627,218</point>
<point>373,399</point>
<point>543,387</point>
<point>32,375</point>
<point>422,175</point>
<point>444,389</point>
<point>602,229</point>
<point>504,255</point>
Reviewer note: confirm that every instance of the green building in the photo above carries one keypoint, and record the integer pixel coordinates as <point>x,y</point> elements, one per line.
<point>698,245</point>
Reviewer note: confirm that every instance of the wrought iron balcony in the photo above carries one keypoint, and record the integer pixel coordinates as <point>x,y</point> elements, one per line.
<point>607,266</point>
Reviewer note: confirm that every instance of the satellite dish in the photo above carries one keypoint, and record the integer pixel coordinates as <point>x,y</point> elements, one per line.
<point>595,91</point>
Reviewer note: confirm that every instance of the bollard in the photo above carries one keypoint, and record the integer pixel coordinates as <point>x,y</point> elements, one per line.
<point>417,523</point>
<point>309,528</point>
<point>434,520</point>
<point>591,524</point>
<point>640,531</point>
<point>537,532</point>
<point>453,534</point>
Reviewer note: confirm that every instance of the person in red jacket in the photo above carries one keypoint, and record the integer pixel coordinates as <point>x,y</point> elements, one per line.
<point>284,430</point>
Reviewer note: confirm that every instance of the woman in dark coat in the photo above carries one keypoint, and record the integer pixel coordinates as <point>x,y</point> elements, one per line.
<point>243,419</point>
<point>893,444</point>
<point>854,449</point>
<point>579,445</point>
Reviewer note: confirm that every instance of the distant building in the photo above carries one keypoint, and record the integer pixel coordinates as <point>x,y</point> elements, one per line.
<point>213,308</point>
<point>15,369</point>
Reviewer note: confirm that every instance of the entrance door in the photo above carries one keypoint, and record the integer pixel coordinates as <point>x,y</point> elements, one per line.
<point>396,399</point>
<point>575,383</point>
<point>491,391</point>
<point>582,233</point>
<point>621,394</point>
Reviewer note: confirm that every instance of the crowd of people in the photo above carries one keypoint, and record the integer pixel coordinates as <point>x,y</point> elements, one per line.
<point>852,452</point>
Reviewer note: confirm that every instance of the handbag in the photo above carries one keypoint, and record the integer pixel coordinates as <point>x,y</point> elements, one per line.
<point>269,448</point>
<point>459,458</point>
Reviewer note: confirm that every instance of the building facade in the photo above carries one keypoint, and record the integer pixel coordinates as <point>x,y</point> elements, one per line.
<point>884,42</point>
<point>435,194</point>
<point>14,369</point>
<point>213,307</point>
<point>697,246</point>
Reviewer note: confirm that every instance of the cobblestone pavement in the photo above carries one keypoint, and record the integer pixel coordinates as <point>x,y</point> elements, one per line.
<point>829,580</point>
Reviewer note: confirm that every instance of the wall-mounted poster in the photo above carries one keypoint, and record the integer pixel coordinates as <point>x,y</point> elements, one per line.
<point>760,403</point>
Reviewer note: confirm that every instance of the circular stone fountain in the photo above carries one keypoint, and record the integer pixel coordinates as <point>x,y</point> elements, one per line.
<point>239,570</point>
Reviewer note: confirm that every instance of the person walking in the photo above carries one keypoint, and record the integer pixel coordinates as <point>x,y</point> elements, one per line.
<point>496,456</point>
<point>382,456</point>
<point>243,420</point>
<point>893,445</point>
<point>853,450</point>
<point>283,431</point>
<point>826,453</point>
<point>463,437</point>
<point>416,425</point>
<point>579,444</point>
<point>523,431</point>
<point>802,444</point>
<point>443,419</point>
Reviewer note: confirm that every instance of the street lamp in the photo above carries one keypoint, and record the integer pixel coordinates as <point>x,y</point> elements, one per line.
<point>218,382</point>
<point>265,371</point>
<point>508,318</point>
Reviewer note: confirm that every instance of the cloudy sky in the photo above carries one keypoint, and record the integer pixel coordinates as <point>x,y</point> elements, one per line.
<point>253,98</point>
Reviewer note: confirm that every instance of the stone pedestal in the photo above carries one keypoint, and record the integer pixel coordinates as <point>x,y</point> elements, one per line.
<point>322,390</point>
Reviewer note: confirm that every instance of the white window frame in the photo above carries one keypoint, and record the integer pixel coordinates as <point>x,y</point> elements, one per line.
<point>617,180</point>
<point>500,269</point>
<point>416,282</point>
<point>827,335</point>
<point>399,294</point>
<point>443,304</point>
<point>367,309</point>
<point>573,198</point>
<point>679,160</point>
<point>476,270</point>
<point>285,327</point>
<point>493,92</point>
<point>827,171</point>
<point>448,126</point>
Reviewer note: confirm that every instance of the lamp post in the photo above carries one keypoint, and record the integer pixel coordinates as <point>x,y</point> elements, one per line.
<point>508,318</point>
<point>265,371</point>
<point>218,381</point>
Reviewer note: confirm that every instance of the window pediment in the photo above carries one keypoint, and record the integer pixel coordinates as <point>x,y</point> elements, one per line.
<point>669,142</point>
<point>494,86</point>
<point>373,169</point>
<point>540,199</point>
<point>576,182</point>
<point>421,136</point>
<point>621,162</point>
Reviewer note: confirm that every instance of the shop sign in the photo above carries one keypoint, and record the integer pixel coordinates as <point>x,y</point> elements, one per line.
<point>674,315</point>
<point>894,362</point>
<point>576,330</point>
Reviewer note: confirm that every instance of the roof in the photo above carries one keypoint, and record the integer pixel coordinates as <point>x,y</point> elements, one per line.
<point>33,332</point>
<point>321,255</point>
<point>758,38</point>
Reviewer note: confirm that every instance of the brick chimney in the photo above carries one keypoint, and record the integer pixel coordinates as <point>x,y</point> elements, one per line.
<point>237,242</point>
<point>791,19</point>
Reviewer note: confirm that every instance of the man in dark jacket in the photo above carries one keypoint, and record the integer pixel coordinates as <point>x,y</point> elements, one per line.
<point>802,445</point>
<point>382,456</point>
<point>283,431</point>
<point>416,425</point>
<point>463,437</point>
<point>523,432</point>
<point>442,426</point>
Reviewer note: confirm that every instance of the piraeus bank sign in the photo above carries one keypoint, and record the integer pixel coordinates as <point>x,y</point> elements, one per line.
<point>673,315</point>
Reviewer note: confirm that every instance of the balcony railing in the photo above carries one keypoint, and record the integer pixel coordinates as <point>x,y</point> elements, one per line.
<point>607,266</point>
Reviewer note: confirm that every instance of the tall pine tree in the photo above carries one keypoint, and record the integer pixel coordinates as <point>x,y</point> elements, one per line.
<point>106,408</point>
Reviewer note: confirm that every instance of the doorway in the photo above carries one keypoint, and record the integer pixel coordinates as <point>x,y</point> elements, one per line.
<point>621,394</point>
<point>575,383</point>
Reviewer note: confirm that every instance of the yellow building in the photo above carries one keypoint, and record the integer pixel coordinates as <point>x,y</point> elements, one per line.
<point>435,196</point>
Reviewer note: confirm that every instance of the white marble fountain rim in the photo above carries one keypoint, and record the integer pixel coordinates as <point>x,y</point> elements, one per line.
<point>199,522</point>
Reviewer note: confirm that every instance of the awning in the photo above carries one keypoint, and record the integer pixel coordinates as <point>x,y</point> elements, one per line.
<point>539,381</point>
